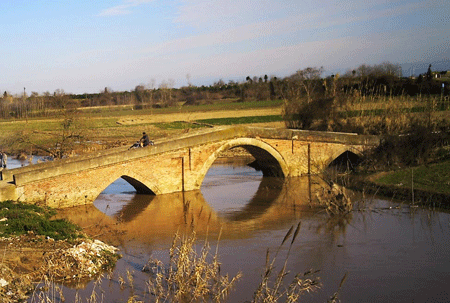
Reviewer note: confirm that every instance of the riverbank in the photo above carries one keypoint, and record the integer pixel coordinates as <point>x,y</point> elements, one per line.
<point>37,249</point>
<point>426,185</point>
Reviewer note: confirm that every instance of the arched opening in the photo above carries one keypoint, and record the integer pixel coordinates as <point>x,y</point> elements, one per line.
<point>238,177</point>
<point>347,161</point>
<point>230,184</point>
<point>123,197</point>
<point>265,158</point>
<point>138,186</point>
<point>264,162</point>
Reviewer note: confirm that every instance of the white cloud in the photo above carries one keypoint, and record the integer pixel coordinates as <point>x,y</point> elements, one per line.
<point>122,9</point>
<point>225,13</point>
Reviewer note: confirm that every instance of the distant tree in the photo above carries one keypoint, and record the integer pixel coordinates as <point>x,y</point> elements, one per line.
<point>272,90</point>
<point>139,92</point>
<point>165,88</point>
<point>309,80</point>
<point>60,99</point>
<point>429,74</point>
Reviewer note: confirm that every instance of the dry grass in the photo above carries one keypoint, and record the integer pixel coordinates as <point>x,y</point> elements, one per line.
<point>273,288</point>
<point>194,275</point>
<point>190,276</point>
<point>379,114</point>
<point>335,200</point>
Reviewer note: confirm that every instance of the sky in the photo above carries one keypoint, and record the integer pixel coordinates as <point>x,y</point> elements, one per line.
<point>84,46</point>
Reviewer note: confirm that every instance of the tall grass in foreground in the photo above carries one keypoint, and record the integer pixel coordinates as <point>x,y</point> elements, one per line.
<point>194,275</point>
<point>272,287</point>
<point>190,276</point>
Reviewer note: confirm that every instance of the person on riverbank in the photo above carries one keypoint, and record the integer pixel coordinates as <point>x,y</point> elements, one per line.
<point>145,141</point>
<point>3,159</point>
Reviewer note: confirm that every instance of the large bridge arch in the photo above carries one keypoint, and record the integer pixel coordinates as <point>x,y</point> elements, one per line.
<point>138,182</point>
<point>271,161</point>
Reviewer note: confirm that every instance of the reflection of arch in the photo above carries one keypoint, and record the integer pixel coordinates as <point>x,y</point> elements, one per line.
<point>153,218</point>
<point>133,208</point>
<point>268,159</point>
<point>268,191</point>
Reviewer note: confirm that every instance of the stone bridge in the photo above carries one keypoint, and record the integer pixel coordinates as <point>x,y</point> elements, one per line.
<point>177,165</point>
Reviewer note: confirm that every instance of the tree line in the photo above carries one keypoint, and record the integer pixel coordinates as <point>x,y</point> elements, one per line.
<point>378,79</point>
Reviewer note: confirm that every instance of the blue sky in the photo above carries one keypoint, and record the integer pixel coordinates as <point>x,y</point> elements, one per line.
<point>84,45</point>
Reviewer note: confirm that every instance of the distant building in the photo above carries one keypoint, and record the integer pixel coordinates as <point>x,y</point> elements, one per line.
<point>442,74</point>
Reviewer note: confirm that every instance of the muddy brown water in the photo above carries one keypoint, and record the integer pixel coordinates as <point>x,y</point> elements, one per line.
<point>389,251</point>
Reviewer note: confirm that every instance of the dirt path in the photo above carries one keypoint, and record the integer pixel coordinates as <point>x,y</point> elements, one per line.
<point>193,116</point>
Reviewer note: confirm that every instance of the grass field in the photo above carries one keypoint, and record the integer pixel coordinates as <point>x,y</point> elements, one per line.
<point>434,178</point>
<point>105,127</point>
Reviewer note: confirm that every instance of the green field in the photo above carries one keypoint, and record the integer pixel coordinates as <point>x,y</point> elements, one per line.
<point>433,178</point>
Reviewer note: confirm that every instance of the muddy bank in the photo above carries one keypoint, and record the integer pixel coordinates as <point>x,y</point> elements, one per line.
<point>30,259</point>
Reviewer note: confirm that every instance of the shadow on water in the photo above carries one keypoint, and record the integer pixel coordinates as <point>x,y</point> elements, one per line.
<point>268,191</point>
<point>132,209</point>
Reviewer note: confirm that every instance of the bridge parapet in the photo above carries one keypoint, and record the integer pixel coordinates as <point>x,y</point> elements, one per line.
<point>40,171</point>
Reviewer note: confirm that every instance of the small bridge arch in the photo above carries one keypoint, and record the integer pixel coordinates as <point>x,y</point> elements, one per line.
<point>348,154</point>
<point>138,182</point>
<point>269,160</point>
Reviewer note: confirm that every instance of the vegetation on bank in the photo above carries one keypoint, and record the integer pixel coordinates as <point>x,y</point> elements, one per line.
<point>40,253</point>
<point>17,219</point>
<point>433,178</point>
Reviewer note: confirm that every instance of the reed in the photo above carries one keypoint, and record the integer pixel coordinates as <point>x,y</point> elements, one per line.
<point>335,200</point>
<point>191,275</point>
<point>273,286</point>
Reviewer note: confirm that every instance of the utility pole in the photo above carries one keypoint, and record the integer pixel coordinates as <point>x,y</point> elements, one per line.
<point>25,106</point>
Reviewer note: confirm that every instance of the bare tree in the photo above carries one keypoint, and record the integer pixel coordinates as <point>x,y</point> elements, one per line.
<point>309,80</point>
<point>67,136</point>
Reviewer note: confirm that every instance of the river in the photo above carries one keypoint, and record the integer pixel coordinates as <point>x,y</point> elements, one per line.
<point>389,251</point>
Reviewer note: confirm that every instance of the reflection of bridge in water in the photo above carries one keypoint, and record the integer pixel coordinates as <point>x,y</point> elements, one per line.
<point>276,203</point>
